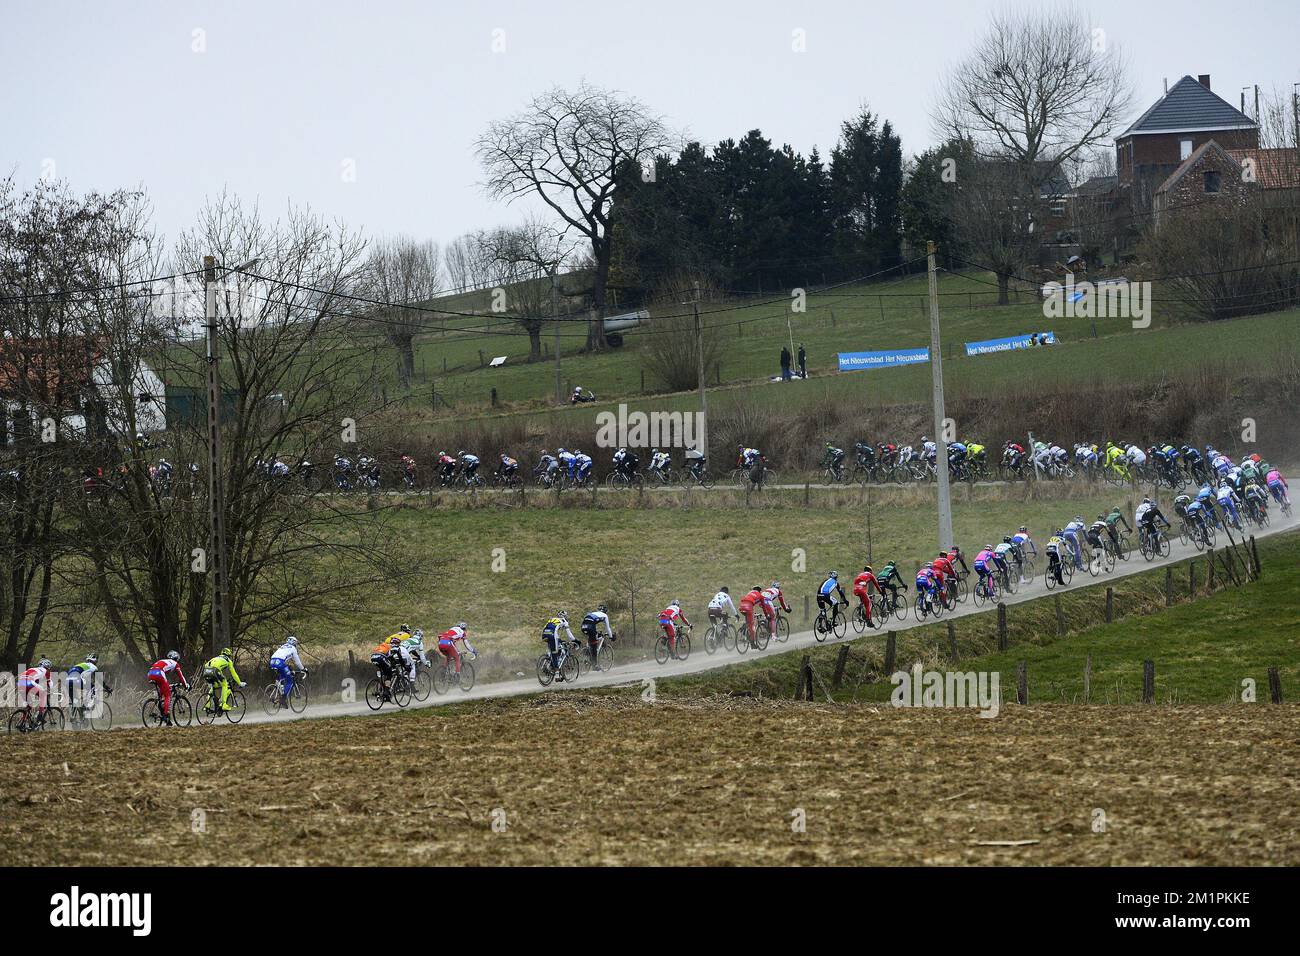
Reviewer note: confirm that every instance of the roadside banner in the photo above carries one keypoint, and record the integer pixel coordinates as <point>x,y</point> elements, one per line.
<point>1007,345</point>
<point>856,361</point>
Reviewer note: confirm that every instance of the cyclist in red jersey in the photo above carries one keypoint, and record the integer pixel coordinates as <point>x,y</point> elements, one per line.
<point>862,589</point>
<point>158,676</point>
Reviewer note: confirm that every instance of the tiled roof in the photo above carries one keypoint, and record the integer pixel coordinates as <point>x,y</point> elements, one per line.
<point>1274,168</point>
<point>1189,106</point>
<point>1191,161</point>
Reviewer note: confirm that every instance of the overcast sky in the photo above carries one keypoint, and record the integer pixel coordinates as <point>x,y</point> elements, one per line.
<point>272,99</point>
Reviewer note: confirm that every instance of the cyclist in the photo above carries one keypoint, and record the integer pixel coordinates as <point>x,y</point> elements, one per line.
<point>1115,460</point>
<point>468,465</point>
<point>827,592</point>
<point>1145,516</point>
<point>36,681</point>
<point>591,624</point>
<point>384,663</point>
<point>551,635</point>
<point>1277,487</point>
<point>625,462</point>
<point>1013,455</point>
<point>668,619</point>
<point>582,463</point>
<point>1192,461</point>
<point>285,654</point>
<point>547,465</point>
<point>1227,499</point>
<point>80,682</point>
<point>945,575</point>
<point>862,589</point>
<point>976,455</point>
<point>1116,517</point>
<point>446,466</point>
<point>1024,543</point>
<point>222,668</point>
<point>1072,532</point>
<point>1255,493</point>
<point>834,460</point>
<point>415,646</point>
<point>890,577</point>
<point>929,449</point>
<point>773,598</point>
<point>957,459</point>
<point>1180,505</point>
<point>747,602</point>
<point>721,604</point>
<point>1095,531</point>
<point>984,568</point>
<point>158,676</point>
<point>927,585</point>
<point>1004,552</point>
<point>956,557</point>
<point>659,461</point>
<point>448,640</point>
<point>1219,462</point>
<point>508,467</point>
<point>748,458</point>
<point>569,462</point>
<point>865,453</point>
<point>1054,561</point>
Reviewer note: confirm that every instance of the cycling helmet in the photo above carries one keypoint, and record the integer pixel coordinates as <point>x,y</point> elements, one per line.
<point>943,554</point>
<point>1060,531</point>
<point>1101,517</point>
<point>463,626</point>
<point>1024,530</point>
<point>988,547</point>
<point>92,659</point>
<point>291,641</point>
<point>405,629</point>
<point>563,615</point>
<point>675,603</point>
<point>173,655</point>
<point>44,662</point>
<point>929,565</point>
<point>227,652</point>
<point>835,574</point>
<point>1006,539</point>
<point>777,585</point>
<point>755,588</point>
<point>867,569</point>
<point>924,439</point>
<point>1146,501</point>
<point>724,590</point>
<point>602,609</point>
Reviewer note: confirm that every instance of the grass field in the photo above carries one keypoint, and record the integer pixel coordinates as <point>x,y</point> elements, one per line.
<point>587,780</point>
<point>866,317</point>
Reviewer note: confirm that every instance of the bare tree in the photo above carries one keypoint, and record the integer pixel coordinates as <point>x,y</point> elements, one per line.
<point>569,148</point>
<point>672,347</point>
<point>404,271</point>
<point>1039,89</point>
<point>525,261</point>
<point>462,264</point>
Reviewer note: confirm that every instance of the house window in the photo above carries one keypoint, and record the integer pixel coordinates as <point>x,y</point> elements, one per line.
<point>1184,148</point>
<point>1058,209</point>
<point>1212,181</point>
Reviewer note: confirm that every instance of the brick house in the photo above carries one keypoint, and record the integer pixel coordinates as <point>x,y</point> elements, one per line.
<point>1163,138</point>
<point>1208,176</point>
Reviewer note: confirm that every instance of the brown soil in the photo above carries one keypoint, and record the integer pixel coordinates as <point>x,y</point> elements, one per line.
<point>601,780</point>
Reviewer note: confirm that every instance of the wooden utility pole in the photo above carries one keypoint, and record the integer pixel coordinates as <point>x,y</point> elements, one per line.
<point>936,374</point>
<point>699,354</point>
<point>555,317</point>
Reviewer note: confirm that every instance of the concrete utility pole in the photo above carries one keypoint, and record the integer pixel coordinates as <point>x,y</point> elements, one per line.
<point>941,445</point>
<point>220,634</point>
<point>699,352</point>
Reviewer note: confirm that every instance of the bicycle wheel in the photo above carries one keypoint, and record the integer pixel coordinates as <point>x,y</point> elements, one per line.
<point>761,634</point>
<point>151,713</point>
<point>711,640</point>
<point>467,676</point>
<point>820,627</point>
<point>206,711</point>
<point>375,694</point>
<point>182,711</point>
<point>103,720</point>
<point>238,706</point>
<point>402,690</point>
<point>271,699</point>
<point>840,623</point>
<point>442,679</point>
<point>901,609</point>
<point>1068,568</point>
<point>661,649</point>
<point>683,646</point>
<point>730,637</point>
<point>1165,546</point>
<point>1049,578</point>
<point>859,619</point>
<point>298,696</point>
<point>18,722</point>
<point>571,668</point>
<point>423,685</point>
<point>782,630</point>
<point>981,595</point>
<point>545,671</point>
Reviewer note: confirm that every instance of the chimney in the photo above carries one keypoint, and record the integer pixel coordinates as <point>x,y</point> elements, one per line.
<point>1204,80</point>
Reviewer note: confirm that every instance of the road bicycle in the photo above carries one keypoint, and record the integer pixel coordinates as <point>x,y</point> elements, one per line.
<point>445,676</point>
<point>568,670</point>
<point>274,698</point>
<point>835,623</point>
<point>1153,544</point>
<point>601,657</point>
<point>720,635</point>
<point>681,646</point>
<point>95,714</point>
<point>208,706</point>
<point>152,713</point>
<point>887,603</point>
<point>1067,571</point>
<point>24,721</point>
<point>860,622</point>
<point>764,632</point>
<point>396,689</point>
<point>986,590</point>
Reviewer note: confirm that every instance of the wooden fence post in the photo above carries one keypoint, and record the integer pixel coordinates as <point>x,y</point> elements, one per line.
<point>1002,626</point>
<point>1087,678</point>
<point>952,642</point>
<point>1209,581</point>
<point>803,671</point>
<point>1169,586</point>
<point>1060,617</point>
<point>1110,604</point>
<point>1148,682</point>
<point>1191,580</point>
<point>1022,683</point>
<point>891,653</point>
<point>1254,555</point>
<point>1274,686</point>
<point>843,658</point>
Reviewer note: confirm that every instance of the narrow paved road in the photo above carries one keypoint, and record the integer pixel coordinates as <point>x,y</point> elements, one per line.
<point>635,673</point>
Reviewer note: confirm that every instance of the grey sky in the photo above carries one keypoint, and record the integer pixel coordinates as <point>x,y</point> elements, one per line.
<point>113,95</point>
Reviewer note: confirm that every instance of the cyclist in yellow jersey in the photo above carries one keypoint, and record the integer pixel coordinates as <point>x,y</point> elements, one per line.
<point>222,668</point>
